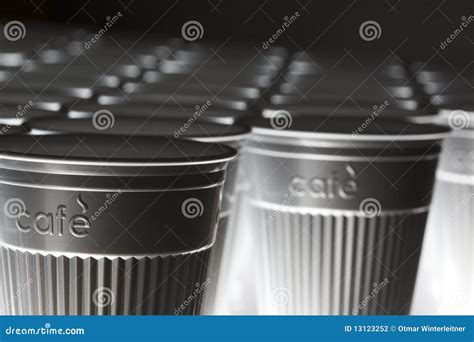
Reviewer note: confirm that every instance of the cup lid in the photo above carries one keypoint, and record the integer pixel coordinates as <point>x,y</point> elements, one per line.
<point>329,96</point>
<point>457,118</point>
<point>345,110</point>
<point>49,99</point>
<point>108,96</point>
<point>456,111</point>
<point>191,88</point>
<point>203,131</point>
<point>32,83</point>
<point>454,101</point>
<point>8,129</point>
<point>143,110</point>
<point>108,154</point>
<point>222,77</point>
<point>346,129</point>
<point>18,115</point>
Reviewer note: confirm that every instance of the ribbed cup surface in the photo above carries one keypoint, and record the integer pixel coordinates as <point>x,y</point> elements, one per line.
<point>216,269</point>
<point>446,281</point>
<point>37,284</point>
<point>339,217</point>
<point>335,264</point>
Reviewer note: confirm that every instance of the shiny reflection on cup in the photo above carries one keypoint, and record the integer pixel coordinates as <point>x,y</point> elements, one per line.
<point>445,285</point>
<point>93,226</point>
<point>338,227</point>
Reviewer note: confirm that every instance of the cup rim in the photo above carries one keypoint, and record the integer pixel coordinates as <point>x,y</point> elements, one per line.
<point>425,132</point>
<point>217,154</point>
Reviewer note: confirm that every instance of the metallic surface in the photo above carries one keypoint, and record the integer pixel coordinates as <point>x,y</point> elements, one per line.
<point>110,231</point>
<point>339,226</point>
<point>205,111</point>
<point>446,284</point>
<point>201,131</point>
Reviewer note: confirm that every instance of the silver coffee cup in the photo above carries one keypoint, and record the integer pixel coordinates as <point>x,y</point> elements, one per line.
<point>178,128</point>
<point>340,209</point>
<point>445,284</point>
<point>95,226</point>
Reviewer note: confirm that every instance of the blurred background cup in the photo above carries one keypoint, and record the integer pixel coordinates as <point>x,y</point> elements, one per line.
<point>340,207</point>
<point>445,284</point>
<point>107,224</point>
<point>185,126</point>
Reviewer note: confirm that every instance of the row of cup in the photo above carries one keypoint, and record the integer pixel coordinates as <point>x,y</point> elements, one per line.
<point>343,84</point>
<point>56,74</point>
<point>334,216</point>
<point>296,291</point>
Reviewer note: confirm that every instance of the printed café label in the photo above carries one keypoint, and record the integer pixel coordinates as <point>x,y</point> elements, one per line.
<point>54,223</point>
<point>336,185</point>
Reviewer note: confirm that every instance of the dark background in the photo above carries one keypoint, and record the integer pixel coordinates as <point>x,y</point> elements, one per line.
<point>411,29</point>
